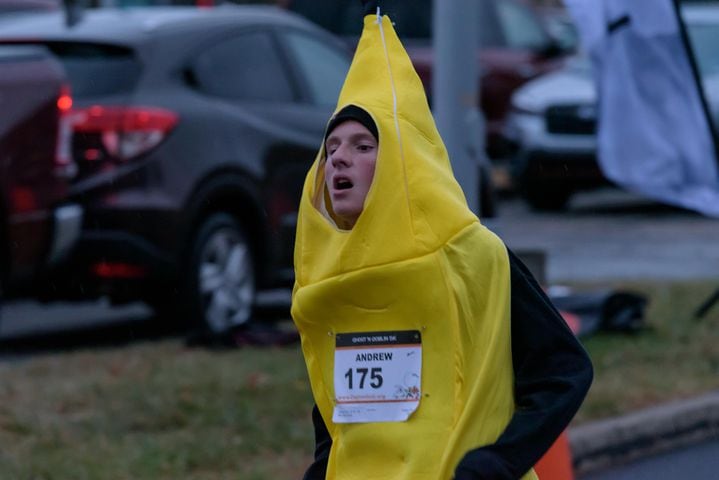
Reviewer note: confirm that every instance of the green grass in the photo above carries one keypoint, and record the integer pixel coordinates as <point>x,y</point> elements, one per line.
<point>156,411</point>
<point>676,357</point>
<point>163,411</point>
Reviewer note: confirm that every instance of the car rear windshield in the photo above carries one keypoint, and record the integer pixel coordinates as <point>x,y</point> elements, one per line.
<point>97,69</point>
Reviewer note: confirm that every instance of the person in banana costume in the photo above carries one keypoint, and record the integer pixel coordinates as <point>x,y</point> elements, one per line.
<point>431,351</point>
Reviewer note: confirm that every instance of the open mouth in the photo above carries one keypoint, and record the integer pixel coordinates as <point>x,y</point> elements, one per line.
<point>341,183</point>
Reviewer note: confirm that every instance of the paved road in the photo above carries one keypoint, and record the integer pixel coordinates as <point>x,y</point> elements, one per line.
<point>609,235</point>
<point>700,462</point>
<point>20,318</point>
<point>28,328</point>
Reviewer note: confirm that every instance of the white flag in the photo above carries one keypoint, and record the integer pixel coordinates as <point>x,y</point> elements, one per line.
<point>654,136</point>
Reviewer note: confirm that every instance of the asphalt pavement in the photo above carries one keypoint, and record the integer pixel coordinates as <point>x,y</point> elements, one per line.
<point>653,432</point>
<point>698,462</point>
<point>610,235</point>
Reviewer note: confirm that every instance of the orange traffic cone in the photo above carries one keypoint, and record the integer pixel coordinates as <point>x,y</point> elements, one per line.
<point>556,464</point>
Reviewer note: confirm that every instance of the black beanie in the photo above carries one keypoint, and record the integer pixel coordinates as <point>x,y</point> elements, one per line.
<point>352,112</point>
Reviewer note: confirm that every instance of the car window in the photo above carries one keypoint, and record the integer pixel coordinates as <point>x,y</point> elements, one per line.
<point>97,69</point>
<point>521,27</point>
<point>323,67</point>
<point>704,40</point>
<point>244,67</point>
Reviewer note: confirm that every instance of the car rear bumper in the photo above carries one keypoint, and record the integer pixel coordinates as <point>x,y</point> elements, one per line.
<point>117,264</point>
<point>98,247</point>
<point>123,253</point>
<point>530,133</point>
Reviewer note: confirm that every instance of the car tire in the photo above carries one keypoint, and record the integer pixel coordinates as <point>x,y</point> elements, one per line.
<point>219,283</point>
<point>487,193</point>
<point>546,197</point>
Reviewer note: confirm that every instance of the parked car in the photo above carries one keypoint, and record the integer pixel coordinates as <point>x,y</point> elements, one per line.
<point>37,225</point>
<point>193,132</point>
<point>517,43</point>
<point>504,46</point>
<point>514,47</point>
<point>554,119</point>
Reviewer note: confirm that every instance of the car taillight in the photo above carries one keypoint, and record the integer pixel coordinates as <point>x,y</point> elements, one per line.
<point>117,270</point>
<point>120,133</point>
<point>64,165</point>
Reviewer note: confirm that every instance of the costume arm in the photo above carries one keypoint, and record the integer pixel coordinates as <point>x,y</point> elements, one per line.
<point>552,374</point>
<point>323,443</point>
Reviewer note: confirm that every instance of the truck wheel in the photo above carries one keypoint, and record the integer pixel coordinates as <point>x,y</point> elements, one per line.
<point>220,281</point>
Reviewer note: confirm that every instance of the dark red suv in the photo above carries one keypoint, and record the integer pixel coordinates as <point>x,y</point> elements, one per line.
<point>37,226</point>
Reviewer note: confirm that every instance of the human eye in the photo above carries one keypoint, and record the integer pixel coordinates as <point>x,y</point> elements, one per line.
<point>364,147</point>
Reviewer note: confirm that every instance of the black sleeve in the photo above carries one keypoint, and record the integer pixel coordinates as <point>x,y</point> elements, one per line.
<point>323,443</point>
<point>552,376</point>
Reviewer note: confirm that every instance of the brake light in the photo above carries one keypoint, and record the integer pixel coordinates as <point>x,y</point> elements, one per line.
<point>124,132</point>
<point>117,270</point>
<point>64,165</point>
<point>64,101</point>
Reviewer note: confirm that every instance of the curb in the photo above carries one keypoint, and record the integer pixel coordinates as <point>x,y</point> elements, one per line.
<point>602,444</point>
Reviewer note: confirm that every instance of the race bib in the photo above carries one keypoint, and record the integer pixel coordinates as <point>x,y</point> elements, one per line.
<point>377,376</point>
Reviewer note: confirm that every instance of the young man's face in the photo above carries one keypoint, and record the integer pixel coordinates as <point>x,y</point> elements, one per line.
<point>349,169</point>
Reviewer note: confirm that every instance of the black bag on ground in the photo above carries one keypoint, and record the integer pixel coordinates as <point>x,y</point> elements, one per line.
<point>615,311</point>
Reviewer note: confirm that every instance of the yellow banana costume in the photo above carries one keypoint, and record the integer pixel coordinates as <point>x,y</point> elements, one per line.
<point>417,260</point>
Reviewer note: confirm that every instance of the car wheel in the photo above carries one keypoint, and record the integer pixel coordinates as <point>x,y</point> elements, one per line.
<point>546,197</point>
<point>220,275</point>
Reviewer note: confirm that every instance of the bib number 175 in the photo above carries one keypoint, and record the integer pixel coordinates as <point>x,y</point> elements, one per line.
<point>360,374</point>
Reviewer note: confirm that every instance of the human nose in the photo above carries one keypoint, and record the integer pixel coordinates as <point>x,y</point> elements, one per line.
<point>340,157</point>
